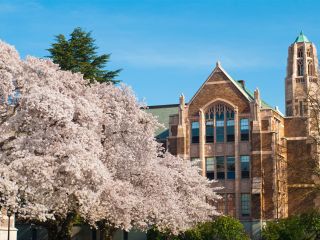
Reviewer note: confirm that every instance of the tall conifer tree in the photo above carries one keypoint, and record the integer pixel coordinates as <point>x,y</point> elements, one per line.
<point>79,54</point>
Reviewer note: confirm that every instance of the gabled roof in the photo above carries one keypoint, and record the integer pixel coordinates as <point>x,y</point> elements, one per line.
<point>217,68</point>
<point>246,92</point>
<point>301,38</point>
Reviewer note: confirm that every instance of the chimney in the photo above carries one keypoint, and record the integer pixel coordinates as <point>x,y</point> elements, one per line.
<point>242,82</point>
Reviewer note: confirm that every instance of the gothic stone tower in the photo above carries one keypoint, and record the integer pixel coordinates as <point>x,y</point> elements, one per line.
<point>301,75</point>
<point>301,71</point>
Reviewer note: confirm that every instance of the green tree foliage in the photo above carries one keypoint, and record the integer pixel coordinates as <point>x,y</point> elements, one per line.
<point>301,227</point>
<point>79,54</point>
<point>223,228</point>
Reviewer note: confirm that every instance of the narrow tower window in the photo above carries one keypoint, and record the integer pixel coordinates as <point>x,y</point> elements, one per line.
<point>300,52</point>
<point>310,68</point>
<point>300,67</point>
<point>308,52</point>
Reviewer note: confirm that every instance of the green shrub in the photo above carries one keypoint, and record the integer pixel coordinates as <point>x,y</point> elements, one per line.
<point>301,227</point>
<point>223,228</point>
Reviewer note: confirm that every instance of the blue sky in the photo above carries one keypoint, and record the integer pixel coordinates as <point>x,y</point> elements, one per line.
<point>169,47</point>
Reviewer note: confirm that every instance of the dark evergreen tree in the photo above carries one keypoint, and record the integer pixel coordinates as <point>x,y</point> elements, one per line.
<point>79,54</point>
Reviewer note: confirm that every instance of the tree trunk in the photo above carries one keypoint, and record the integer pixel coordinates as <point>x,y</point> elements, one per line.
<point>106,233</point>
<point>66,227</point>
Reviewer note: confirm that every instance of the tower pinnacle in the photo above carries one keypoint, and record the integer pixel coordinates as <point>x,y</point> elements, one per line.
<point>301,38</point>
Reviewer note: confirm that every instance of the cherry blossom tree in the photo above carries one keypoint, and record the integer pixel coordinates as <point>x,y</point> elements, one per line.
<point>69,149</point>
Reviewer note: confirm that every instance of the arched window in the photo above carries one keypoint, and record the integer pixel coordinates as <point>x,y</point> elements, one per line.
<point>220,123</point>
<point>300,68</point>
<point>300,52</point>
<point>310,68</point>
<point>309,52</point>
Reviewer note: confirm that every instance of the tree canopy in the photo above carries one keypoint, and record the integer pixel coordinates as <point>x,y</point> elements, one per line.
<point>79,54</point>
<point>69,150</point>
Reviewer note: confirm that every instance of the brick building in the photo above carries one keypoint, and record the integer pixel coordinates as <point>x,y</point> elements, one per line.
<point>261,157</point>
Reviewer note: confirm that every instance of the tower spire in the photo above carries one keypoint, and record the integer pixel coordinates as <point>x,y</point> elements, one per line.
<point>301,38</point>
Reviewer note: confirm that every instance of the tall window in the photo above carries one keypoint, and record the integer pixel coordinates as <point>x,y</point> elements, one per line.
<point>230,126</point>
<point>310,68</point>
<point>209,131</point>
<point>220,167</point>
<point>245,204</point>
<point>300,52</point>
<point>244,129</point>
<point>210,168</point>
<point>220,119</point>
<point>230,168</point>
<point>220,127</point>
<point>300,67</point>
<point>309,52</point>
<point>195,132</point>
<point>245,166</point>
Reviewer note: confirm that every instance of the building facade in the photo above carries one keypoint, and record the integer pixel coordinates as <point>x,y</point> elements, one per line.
<point>261,158</point>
